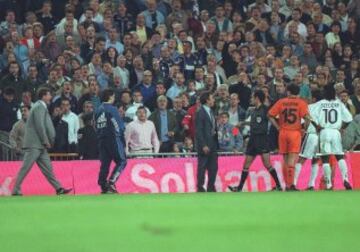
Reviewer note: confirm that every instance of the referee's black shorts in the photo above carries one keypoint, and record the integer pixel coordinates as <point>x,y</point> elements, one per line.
<point>257,145</point>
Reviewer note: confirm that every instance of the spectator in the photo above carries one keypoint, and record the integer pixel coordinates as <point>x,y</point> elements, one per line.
<point>305,92</point>
<point>177,88</point>
<point>344,97</point>
<point>14,80</point>
<point>123,20</point>
<point>8,109</point>
<point>138,102</point>
<point>152,16</point>
<point>73,124</point>
<point>88,147</point>
<point>140,135</point>
<point>189,119</point>
<point>147,88</point>
<point>355,98</point>
<point>230,139</point>
<point>46,18</point>
<point>165,124</point>
<point>179,113</point>
<point>121,71</point>
<point>351,136</point>
<point>88,109</point>
<point>160,90</point>
<point>61,143</point>
<point>236,113</point>
<point>17,133</point>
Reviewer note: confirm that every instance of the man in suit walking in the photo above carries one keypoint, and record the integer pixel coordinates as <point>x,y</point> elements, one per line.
<point>206,143</point>
<point>39,137</point>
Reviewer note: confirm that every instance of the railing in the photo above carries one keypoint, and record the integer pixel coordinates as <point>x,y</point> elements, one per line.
<point>7,153</point>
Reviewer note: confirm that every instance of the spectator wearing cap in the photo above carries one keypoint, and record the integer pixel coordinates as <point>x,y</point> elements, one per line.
<point>8,109</point>
<point>140,134</point>
<point>165,124</point>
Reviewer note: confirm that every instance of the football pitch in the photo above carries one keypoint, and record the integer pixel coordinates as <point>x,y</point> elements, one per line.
<point>273,221</point>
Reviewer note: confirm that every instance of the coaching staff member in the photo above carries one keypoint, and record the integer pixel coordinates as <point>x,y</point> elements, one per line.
<point>258,142</point>
<point>206,140</point>
<point>39,137</point>
<point>110,130</point>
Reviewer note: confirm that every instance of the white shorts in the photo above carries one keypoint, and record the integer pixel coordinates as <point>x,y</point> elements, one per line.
<point>309,146</point>
<point>330,142</point>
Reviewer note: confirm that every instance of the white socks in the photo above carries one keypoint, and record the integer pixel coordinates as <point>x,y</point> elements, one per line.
<point>297,173</point>
<point>314,173</point>
<point>344,170</point>
<point>327,174</point>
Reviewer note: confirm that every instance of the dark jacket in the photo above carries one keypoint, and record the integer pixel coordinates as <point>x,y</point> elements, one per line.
<point>61,144</point>
<point>88,147</point>
<point>171,118</point>
<point>8,114</point>
<point>244,93</point>
<point>203,133</point>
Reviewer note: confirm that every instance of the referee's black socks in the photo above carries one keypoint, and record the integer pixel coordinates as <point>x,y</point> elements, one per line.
<point>273,174</point>
<point>244,175</point>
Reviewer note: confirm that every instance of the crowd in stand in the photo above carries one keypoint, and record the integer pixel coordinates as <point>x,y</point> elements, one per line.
<point>158,55</point>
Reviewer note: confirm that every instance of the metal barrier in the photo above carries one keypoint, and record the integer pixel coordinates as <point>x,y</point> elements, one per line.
<point>7,153</point>
<point>63,156</point>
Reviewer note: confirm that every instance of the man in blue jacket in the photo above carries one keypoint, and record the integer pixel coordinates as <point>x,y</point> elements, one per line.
<point>110,134</point>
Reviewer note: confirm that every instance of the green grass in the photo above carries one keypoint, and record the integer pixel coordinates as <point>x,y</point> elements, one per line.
<point>223,222</point>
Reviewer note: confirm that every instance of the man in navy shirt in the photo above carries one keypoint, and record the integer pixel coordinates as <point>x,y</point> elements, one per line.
<point>110,134</point>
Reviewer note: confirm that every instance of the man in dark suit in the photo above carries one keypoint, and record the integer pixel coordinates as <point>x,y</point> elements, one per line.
<point>39,137</point>
<point>206,141</point>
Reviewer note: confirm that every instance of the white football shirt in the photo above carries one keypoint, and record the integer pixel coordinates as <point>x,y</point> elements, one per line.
<point>331,114</point>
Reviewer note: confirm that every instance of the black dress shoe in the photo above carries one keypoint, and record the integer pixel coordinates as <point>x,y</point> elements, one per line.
<point>347,185</point>
<point>211,190</point>
<point>61,191</point>
<point>234,188</point>
<point>16,194</point>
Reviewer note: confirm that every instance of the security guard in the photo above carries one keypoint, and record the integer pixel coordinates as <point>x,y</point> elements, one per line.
<point>110,134</point>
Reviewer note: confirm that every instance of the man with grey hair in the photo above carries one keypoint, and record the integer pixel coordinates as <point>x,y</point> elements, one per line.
<point>165,124</point>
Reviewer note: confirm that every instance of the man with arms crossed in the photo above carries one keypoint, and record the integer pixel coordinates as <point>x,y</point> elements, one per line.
<point>110,133</point>
<point>331,117</point>
<point>258,142</point>
<point>290,111</point>
<point>39,137</point>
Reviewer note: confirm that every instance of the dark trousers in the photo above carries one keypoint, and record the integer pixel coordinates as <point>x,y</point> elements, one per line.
<point>207,163</point>
<point>166,147</point>
<point>111,150</point>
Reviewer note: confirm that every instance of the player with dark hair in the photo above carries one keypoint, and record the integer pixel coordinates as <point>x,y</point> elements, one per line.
<point>286,117</point>
<point>310,146</point>
<point>258,142</point>
<point>331,117</point>
<point>110,134</point>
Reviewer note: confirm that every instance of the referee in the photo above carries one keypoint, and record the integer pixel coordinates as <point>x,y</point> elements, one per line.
<point>258,142</point>
<point>110,134</point>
